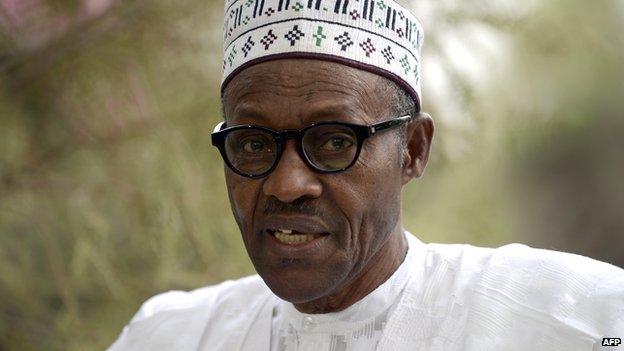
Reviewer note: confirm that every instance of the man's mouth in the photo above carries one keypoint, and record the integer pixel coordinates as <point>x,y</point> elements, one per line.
<point>293,237</point>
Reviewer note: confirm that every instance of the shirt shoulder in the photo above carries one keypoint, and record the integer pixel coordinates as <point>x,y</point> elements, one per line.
<point>517,259</point>
<point>176,320</point>
<point>227,292</point>
<point>555,291</point>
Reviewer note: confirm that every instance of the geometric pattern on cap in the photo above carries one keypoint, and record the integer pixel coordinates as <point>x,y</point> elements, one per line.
<point>380,36</point>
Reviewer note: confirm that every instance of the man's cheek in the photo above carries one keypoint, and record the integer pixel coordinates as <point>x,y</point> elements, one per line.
<point>243,200</point>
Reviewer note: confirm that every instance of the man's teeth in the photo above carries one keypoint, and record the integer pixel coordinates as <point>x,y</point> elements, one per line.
<point>286,236</point>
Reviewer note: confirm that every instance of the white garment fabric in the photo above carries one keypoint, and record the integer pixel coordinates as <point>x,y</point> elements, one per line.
<point>443,297</point>
<point>357,328</point>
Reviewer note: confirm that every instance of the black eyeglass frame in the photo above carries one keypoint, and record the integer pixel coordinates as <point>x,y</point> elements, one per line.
<point>362,132</point>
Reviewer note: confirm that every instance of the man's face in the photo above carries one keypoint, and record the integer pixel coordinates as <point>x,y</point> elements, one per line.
<point>351,213</point>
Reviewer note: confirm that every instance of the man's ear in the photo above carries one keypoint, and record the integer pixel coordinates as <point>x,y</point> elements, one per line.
<point>418,137</point>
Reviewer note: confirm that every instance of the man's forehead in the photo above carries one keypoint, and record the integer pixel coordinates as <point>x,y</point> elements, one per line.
<point>301,77</point>
<point>311,112</point>
<point>308,90</point>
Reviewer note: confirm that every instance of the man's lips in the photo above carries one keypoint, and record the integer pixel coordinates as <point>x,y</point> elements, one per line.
<point>296,224</point>
<point>295,231</point>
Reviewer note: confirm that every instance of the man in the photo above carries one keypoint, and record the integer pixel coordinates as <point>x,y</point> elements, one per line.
<point>322,130</point>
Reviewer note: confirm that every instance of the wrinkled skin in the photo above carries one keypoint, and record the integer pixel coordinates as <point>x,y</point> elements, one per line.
<point>359,208</point>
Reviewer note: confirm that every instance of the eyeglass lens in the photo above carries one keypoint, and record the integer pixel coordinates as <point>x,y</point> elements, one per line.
<point>329,147</point>
<point>251,151</point>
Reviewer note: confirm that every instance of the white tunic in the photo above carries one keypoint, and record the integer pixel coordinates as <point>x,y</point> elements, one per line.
<point>442,297</point>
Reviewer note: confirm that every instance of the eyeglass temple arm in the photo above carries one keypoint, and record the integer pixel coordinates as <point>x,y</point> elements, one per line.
<point>389,124</point>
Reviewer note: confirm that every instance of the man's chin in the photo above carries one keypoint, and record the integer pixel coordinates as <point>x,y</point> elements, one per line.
<point>298,289</point>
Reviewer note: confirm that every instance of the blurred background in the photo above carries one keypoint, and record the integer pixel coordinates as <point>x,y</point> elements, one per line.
<point>110,191</point>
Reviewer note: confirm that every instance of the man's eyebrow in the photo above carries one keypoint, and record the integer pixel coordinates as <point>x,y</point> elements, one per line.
<point>340,111</point>
<point>247,111</point>
<point>325,112</point>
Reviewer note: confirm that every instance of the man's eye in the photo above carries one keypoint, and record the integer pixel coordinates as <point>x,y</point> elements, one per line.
<point>253,146</point>
<point>336,143</point>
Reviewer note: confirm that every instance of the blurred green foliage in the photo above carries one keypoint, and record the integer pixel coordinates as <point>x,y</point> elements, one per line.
<point>110,191</point>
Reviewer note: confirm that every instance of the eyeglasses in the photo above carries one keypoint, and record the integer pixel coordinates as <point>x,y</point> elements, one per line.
<point>327,147</point>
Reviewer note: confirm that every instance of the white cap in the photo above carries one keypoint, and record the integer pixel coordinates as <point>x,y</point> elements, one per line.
<point>375,35</point>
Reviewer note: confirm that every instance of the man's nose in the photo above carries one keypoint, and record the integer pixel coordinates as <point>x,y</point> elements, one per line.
<point>292,178</point>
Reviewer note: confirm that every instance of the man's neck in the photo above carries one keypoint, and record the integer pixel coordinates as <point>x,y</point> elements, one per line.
<point>381,267</point>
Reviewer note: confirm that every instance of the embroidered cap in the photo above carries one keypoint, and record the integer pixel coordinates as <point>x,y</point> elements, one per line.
<point>379,36</point>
